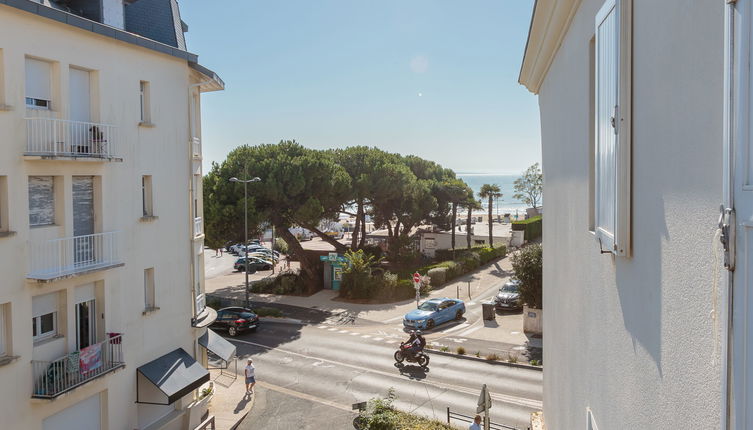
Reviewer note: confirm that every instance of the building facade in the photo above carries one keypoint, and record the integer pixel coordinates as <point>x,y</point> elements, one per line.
<point>631,96</point>
<point>101,236</point>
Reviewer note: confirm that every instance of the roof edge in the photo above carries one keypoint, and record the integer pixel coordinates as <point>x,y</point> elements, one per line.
<point>214,82</point>
<point>550,21</point>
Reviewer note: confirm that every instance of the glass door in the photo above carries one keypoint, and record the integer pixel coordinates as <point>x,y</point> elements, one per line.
<point>86,330</point>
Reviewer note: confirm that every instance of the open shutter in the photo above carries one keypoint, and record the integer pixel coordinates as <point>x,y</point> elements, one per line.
<point>38,79</point>
<point>607,55</point>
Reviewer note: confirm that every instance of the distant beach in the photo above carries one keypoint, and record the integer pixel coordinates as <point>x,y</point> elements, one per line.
<point>506,204</point>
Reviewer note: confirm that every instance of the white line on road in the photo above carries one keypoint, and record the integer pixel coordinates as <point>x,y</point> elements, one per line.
<point>520,401</point>
<point>322,326</point>
<point>332,329</point>
<point>457,327</point>
<point>394,319</point>
<point>378,338</point>
<point>470,330</point>
<point>366,336</point>
<point>304,396</point>
<point>354,334</point>
<point>343,331</point>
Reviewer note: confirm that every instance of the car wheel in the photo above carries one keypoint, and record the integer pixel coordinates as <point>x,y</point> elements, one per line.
<point>232,331</point>
<point>458,315</point>
<point>430,324</point>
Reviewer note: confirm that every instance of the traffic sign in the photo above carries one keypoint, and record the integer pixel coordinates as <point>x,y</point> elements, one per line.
<point>416,278</point>
<point>484,400</point>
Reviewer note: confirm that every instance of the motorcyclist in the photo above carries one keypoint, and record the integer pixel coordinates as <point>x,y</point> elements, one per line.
<point>417,342</point>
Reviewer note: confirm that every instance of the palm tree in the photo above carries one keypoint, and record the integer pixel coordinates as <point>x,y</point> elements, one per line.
<point>490,192</point>
<point>470,204</point>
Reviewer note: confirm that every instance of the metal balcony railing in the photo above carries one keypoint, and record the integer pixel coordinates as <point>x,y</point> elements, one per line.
<point>198,226</point>
<point>53,378</point>
<point>52,137</point>
<point>70,255</point>
<point>196,147</point>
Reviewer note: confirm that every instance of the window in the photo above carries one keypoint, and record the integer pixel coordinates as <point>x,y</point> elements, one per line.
<point>41,200</point>
<point>149,300</point>
<point>44,316</point>
<point>146,196</point>
<point>4,212</point>
<point>4,330</point>
<point>38,84</point>
<point>611,208</point>
<point>144,102</point>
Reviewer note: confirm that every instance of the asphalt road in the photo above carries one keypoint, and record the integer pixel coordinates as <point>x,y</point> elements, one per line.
<point>310,375</point>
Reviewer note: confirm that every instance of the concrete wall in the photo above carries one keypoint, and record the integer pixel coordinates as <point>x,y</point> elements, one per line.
<point>632,338</point>
<point>162,151</point>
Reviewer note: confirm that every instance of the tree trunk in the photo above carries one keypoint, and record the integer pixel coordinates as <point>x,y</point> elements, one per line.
<point>491,240</point>
<point>357,227</point>
<point>363,229</point>
<point>308,267</point>
<point>339,247</point>
<point>469,227</point>
<point>453,221</point>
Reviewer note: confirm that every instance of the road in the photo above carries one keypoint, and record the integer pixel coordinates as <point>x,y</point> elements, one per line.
<point>310,375</point>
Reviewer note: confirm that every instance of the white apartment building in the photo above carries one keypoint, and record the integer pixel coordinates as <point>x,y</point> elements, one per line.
<point>646,136</point>
<point>102,308</point>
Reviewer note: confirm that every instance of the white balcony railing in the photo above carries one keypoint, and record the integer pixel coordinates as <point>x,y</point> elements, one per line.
<point>196,147</point>
<point>69,255</point>
<point>64,138</point>
<point>201,303</point>
<point>53,378</point>
<point>198,226</point>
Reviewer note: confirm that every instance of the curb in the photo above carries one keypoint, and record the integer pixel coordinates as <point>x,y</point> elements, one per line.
<point>281,320</point>
<point>472,358</point>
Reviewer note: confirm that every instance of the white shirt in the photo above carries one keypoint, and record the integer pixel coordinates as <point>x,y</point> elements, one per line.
<point>250,369</point>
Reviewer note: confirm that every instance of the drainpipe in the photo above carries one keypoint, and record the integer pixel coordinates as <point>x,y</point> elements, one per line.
<point>727,218</point>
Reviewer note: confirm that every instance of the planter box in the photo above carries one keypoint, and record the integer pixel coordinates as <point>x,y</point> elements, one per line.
<point>532,320</point>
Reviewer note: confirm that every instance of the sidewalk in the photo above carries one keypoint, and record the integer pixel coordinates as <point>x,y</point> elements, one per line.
<point>230,404</point>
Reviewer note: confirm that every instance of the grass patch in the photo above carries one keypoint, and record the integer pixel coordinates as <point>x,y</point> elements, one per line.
<point>512,357</point>
<point>492,357</point>
<point>444,348</point>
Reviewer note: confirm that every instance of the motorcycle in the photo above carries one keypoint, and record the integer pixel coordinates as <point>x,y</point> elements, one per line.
<point>404,354</point>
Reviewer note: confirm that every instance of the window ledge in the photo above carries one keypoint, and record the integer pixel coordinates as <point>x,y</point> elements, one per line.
<point>48,340</point>
<point>148,218</point>
<point>150,310</point>
<point>8,359</point>
<point>7,234</point>
<point>146,124</point>
<point>5,108</point>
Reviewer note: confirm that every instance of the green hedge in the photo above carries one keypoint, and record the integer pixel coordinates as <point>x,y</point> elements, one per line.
<point>467,261</point>
<point>281,284</point>
<point>531,227</point>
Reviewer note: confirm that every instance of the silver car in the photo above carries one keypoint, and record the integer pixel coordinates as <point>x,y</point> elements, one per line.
<point>508,296</point>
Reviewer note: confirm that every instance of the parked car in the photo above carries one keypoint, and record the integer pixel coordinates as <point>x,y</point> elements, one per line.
<point>434,312</point>
<point>508,296</point>
<point>253,263</point>
<point>235,320</point>
<point>264,256</point>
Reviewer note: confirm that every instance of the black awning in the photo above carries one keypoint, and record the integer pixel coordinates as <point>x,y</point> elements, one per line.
<point>175,374</point>
<point>219,346</point>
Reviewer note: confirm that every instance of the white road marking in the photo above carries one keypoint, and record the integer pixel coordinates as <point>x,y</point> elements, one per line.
<point>343,331</point>
<point>322,364</point>
<point>470,330</point>
<point>366,336</point>
<point>378,338</point>
<point>322,326</point>
<point>332,329</point>
<point>354,334</point>
<point>455,339</point>
<point>514,332</point>
<point>457,327</point>
<point>519,348</point>
<point>393,319</point>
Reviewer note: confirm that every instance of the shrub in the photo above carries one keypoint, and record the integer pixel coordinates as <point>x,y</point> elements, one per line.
<point>268,312</point>
<point>527,266</point>
<point>444,348</point>
<point>461,350</point>
<point>380,414</point>
<point>438,276</point>
<point>492,357</point>
<point>281,246</point>
<point>478,353</point>
<point>535,362</point>
<point>512,357</point>
<point>531,227</point>
<point>289,283</point>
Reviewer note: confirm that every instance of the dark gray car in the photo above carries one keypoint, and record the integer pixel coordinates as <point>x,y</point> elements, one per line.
<point>508,296</point>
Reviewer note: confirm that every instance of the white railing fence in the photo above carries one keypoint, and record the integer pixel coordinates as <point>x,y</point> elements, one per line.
<point>196,145</point>
<point>201,303</point>
<point>198,226</point>
<point>59,137</point>
<point>68,255</point>
<point>52,378</point>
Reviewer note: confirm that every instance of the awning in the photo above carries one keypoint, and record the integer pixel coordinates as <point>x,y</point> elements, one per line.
<point>217,345</point>
<point>168,378</point>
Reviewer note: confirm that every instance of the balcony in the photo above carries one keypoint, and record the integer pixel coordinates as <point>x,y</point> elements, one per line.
<point>196,147</point>
<point>50,138</point>
<point>198,226</point>
<point>68,256</point>
<point>53,378</point>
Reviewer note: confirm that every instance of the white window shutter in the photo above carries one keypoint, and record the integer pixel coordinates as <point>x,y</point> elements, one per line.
<point>38,79</point>
<point>607,81</point>
<point>42,305</point>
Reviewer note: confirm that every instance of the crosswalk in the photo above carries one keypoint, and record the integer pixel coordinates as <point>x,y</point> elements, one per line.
<point>394,338</point>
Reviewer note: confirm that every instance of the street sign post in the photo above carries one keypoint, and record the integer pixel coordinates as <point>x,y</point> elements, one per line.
<point>483,405</point>
<point>417,286</point>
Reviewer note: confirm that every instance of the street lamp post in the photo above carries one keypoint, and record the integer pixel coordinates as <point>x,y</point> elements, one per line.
<point>245,224</point>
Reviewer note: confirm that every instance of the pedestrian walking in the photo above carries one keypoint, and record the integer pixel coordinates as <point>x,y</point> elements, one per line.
<point>220,252</point>
<point>476,423</point>
<point>250,372</point>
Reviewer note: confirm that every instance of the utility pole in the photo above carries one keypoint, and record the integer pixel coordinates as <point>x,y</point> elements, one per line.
<point>245,228</point>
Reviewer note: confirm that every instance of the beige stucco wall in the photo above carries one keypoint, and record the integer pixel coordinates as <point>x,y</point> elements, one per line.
<point>633,338</point>
<point>165,244</point>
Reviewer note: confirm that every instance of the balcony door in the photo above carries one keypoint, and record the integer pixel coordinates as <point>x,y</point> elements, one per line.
<point>80,111</point>
<point>86,324</point>
<point>84,246</point>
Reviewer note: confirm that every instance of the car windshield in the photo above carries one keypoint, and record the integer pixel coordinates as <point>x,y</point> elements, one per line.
<point>428,306</point>
<point>509,288</point>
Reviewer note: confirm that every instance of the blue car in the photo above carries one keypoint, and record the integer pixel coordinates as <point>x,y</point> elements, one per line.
<point>434,312</point>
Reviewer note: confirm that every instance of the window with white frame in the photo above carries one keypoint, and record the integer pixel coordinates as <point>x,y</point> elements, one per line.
<point>44,316</point>
<point>146,196</point>
<point>144,102</point>
<point>5,347</point>
<point>149,294</point>
<point>38,84</point>
<point>611,134</point>
<point>41,200</point>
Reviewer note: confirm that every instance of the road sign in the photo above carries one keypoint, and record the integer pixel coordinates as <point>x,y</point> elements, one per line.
<point>416,278</point>
<point>332,256</point>
<point>359,406</point>
<point>484,400</point>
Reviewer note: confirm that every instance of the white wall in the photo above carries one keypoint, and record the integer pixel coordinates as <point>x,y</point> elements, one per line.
<point>633,338</point>
<point>165,244</point>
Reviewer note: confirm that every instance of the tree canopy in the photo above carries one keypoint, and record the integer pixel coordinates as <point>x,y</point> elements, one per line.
<point>527,264</point>
<point>530,187</point>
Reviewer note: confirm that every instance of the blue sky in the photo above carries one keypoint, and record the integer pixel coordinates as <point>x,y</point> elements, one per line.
<point>437,79</point>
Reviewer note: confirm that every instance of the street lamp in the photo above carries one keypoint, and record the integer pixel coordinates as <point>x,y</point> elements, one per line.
<point>245,223</point>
